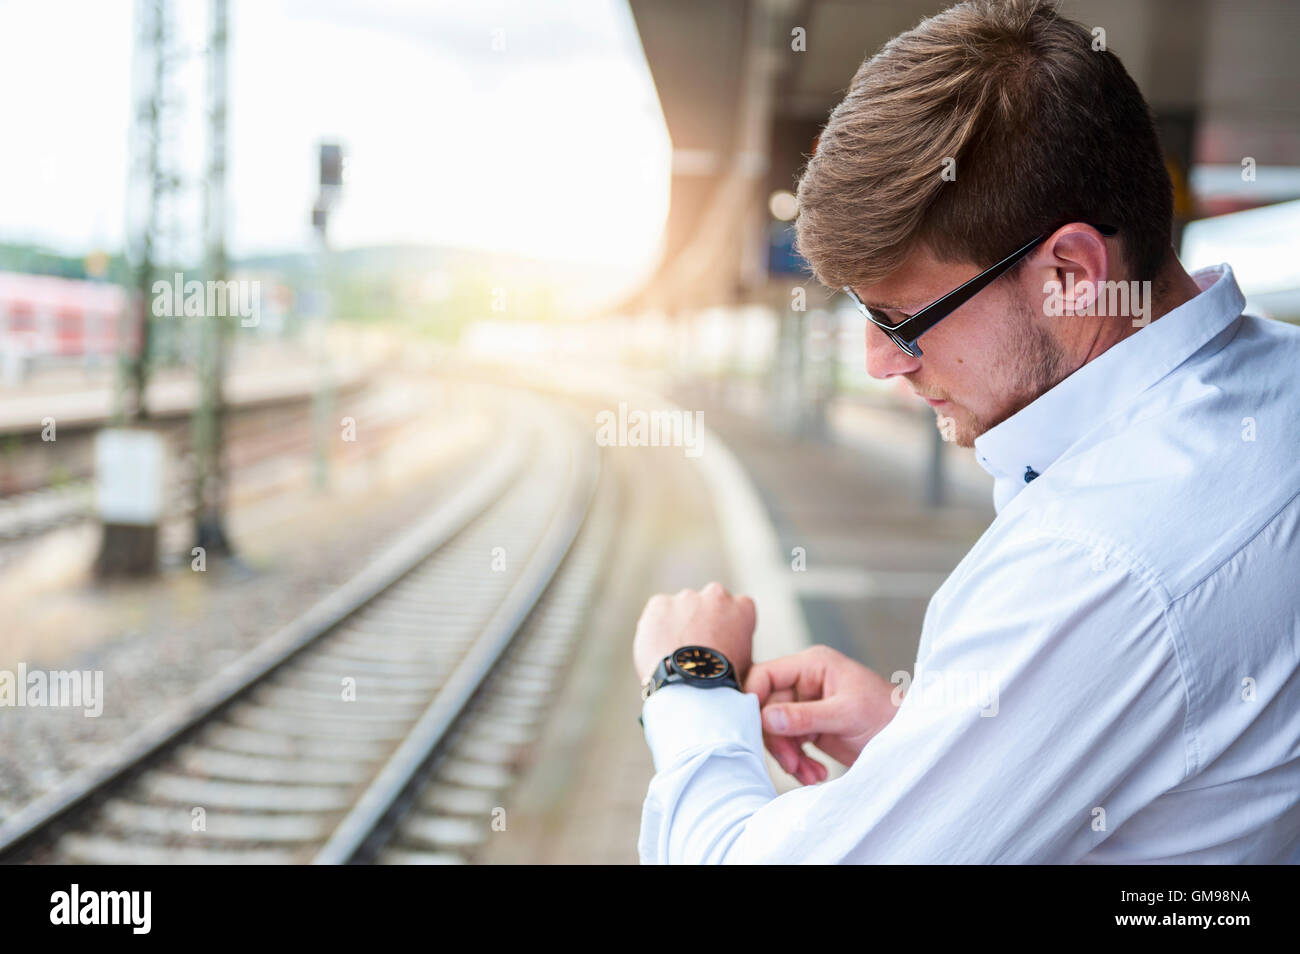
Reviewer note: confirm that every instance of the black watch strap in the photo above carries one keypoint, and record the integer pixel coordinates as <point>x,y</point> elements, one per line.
<point>666,674</point>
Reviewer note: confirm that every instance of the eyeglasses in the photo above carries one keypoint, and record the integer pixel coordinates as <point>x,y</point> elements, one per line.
<point>906,332</point>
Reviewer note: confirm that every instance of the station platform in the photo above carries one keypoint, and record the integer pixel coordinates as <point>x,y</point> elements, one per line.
<point>86,400</point>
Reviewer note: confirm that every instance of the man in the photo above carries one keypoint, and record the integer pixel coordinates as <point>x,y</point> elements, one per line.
<point>1110,674</point>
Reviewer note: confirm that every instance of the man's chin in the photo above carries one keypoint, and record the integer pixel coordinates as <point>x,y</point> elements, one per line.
<point>955,430</point>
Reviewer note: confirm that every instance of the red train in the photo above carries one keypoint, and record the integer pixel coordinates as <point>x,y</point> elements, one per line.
<point>42,316</point>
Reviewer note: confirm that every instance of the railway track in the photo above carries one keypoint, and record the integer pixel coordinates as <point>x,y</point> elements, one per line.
<point>383,724</point>
<point>261,450</point>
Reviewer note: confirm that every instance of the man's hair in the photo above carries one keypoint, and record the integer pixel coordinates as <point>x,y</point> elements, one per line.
<point>1044,130</point>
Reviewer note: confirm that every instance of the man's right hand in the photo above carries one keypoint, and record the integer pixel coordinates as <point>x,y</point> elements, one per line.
<point>823,697</point>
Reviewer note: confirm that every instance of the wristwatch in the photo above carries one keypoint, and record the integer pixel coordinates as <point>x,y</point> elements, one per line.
<point>695,666</point>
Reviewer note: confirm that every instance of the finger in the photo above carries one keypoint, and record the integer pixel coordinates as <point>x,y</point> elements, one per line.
<point>808,770</point>
<point>802,772</point>
<point>803,672</point>
<point>812,769</point>
<point>818,766</point>
<point>795,719</point>
<point>781,695</point>
<point>785,752</point>
<point>760,683</point>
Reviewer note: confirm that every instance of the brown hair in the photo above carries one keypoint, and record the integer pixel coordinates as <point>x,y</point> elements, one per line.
<point>1044,130</point>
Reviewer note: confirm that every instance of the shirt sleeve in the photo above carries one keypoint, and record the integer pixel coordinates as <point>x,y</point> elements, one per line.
<point>1049,708</point>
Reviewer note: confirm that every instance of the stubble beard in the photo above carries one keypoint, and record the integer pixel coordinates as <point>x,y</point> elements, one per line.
<point>1036,365</point>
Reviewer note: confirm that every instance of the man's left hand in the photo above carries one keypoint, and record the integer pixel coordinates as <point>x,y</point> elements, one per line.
<point>710,617</point>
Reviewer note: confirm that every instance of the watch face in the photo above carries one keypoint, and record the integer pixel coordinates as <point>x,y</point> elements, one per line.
<point>698,663</point>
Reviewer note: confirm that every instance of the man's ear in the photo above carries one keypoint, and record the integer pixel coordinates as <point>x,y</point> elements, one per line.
<point>1072,264</point>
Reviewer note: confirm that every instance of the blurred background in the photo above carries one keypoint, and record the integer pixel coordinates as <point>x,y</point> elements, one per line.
<point>276,277</point>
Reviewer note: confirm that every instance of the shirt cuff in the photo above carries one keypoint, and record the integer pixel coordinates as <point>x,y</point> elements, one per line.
<point>679,718</point>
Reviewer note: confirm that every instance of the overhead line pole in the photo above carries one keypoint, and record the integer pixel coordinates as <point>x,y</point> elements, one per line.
<point>215,330</point>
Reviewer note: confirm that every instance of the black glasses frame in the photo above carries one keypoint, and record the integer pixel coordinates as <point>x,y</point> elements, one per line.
<point>906,332</point>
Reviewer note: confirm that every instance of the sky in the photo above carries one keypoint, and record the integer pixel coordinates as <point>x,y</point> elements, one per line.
<point>525,127</point>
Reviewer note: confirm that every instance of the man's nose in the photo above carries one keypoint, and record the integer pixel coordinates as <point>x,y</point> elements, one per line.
<point>884,358</point>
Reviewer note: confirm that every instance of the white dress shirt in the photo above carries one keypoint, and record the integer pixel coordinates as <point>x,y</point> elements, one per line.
<point>1110,675</point>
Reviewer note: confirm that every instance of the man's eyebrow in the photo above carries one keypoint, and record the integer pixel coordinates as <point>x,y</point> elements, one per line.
<point>881,307</point>
<point>877,306</point>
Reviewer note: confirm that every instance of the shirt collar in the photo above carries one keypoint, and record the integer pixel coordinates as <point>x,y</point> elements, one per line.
<point>1029,441</point>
